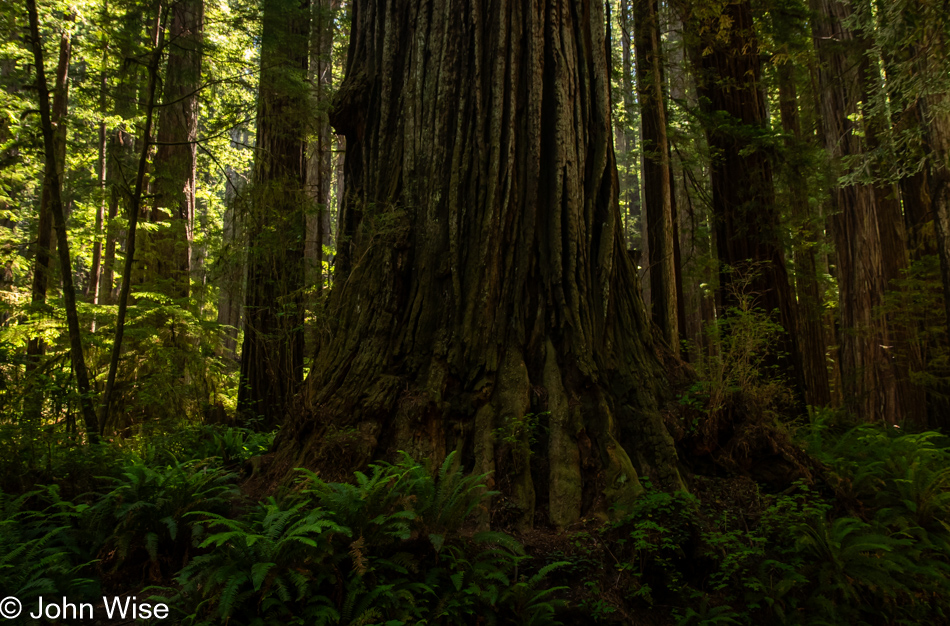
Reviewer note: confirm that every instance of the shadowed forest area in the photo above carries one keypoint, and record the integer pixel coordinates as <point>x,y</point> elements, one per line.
<point>475,312</point>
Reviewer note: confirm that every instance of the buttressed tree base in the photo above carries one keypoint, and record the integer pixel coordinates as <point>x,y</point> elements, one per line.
<point>483,285</point>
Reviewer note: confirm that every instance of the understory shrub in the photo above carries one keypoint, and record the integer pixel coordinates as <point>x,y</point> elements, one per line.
<point>39,551</point>
<point>143,521</point>
<point>387,549</point>
<point>869,545</point>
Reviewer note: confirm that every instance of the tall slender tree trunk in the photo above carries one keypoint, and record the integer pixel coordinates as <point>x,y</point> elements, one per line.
<point>630,180</point>
<point>135,208</point>
<point>44,237</point>
<point>53,182</point>
<point>904,355</point>
<point>870,386</point>
<point>937,140</point>
<point>320,155</point>
<point>95,273</point>
<point>935,115</point>
<point>658,190</point>
<point>747,226</point>
<point>696,305</point>
<point>119,145</point>
<point>168,251</point>
<point>234,257</point>
<point>483,273</point>
<point>810,306</point>
<point>45,246</point>
<point>272,354</point>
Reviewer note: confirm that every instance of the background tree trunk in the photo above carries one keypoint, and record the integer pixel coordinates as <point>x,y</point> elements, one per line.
<point>868,381</point>
<point>234,258</point>
<point>95,274</point>
<point>482,274</point>
<point>320,154</point>
<point>44,237</point>
<point>810,307</point>
<point>168,250</point>
<point>53,182</point>
<point>120,148</point>
<point>272,354</point>
<point>657,190</point>
<point>747,227</point>
<point>630,179</point>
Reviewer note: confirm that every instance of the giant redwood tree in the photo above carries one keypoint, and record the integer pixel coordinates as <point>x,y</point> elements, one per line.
<point>272,353</point>
<point>482,282</point>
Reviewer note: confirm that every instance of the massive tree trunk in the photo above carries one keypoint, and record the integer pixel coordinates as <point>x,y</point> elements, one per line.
<point>658,191</point>
<point>725,54</point>
<point>167,251</point>
<point>482,276</point>
<point>272,354</point>
<point>870,384</point>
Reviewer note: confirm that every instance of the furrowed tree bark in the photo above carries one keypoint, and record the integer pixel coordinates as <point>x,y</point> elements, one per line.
<point>810,306</point>
<point>747,227</point>
<point>870,386</point>
<point>272,354</point>
<point>657,189</point>
<point>903,350</point>
<point>933,112</point>
<point>168,250</point>
<point>54,184</point>
<point>481,272</point>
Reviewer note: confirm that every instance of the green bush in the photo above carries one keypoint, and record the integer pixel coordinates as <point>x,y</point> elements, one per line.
<point>265,568</point>
<point>387,548</point>
<point>39,554</point>
<point>143,519</point>
<point>231,445</point>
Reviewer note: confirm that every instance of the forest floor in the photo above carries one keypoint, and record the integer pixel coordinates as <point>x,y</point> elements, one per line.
<point>863,539</point>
